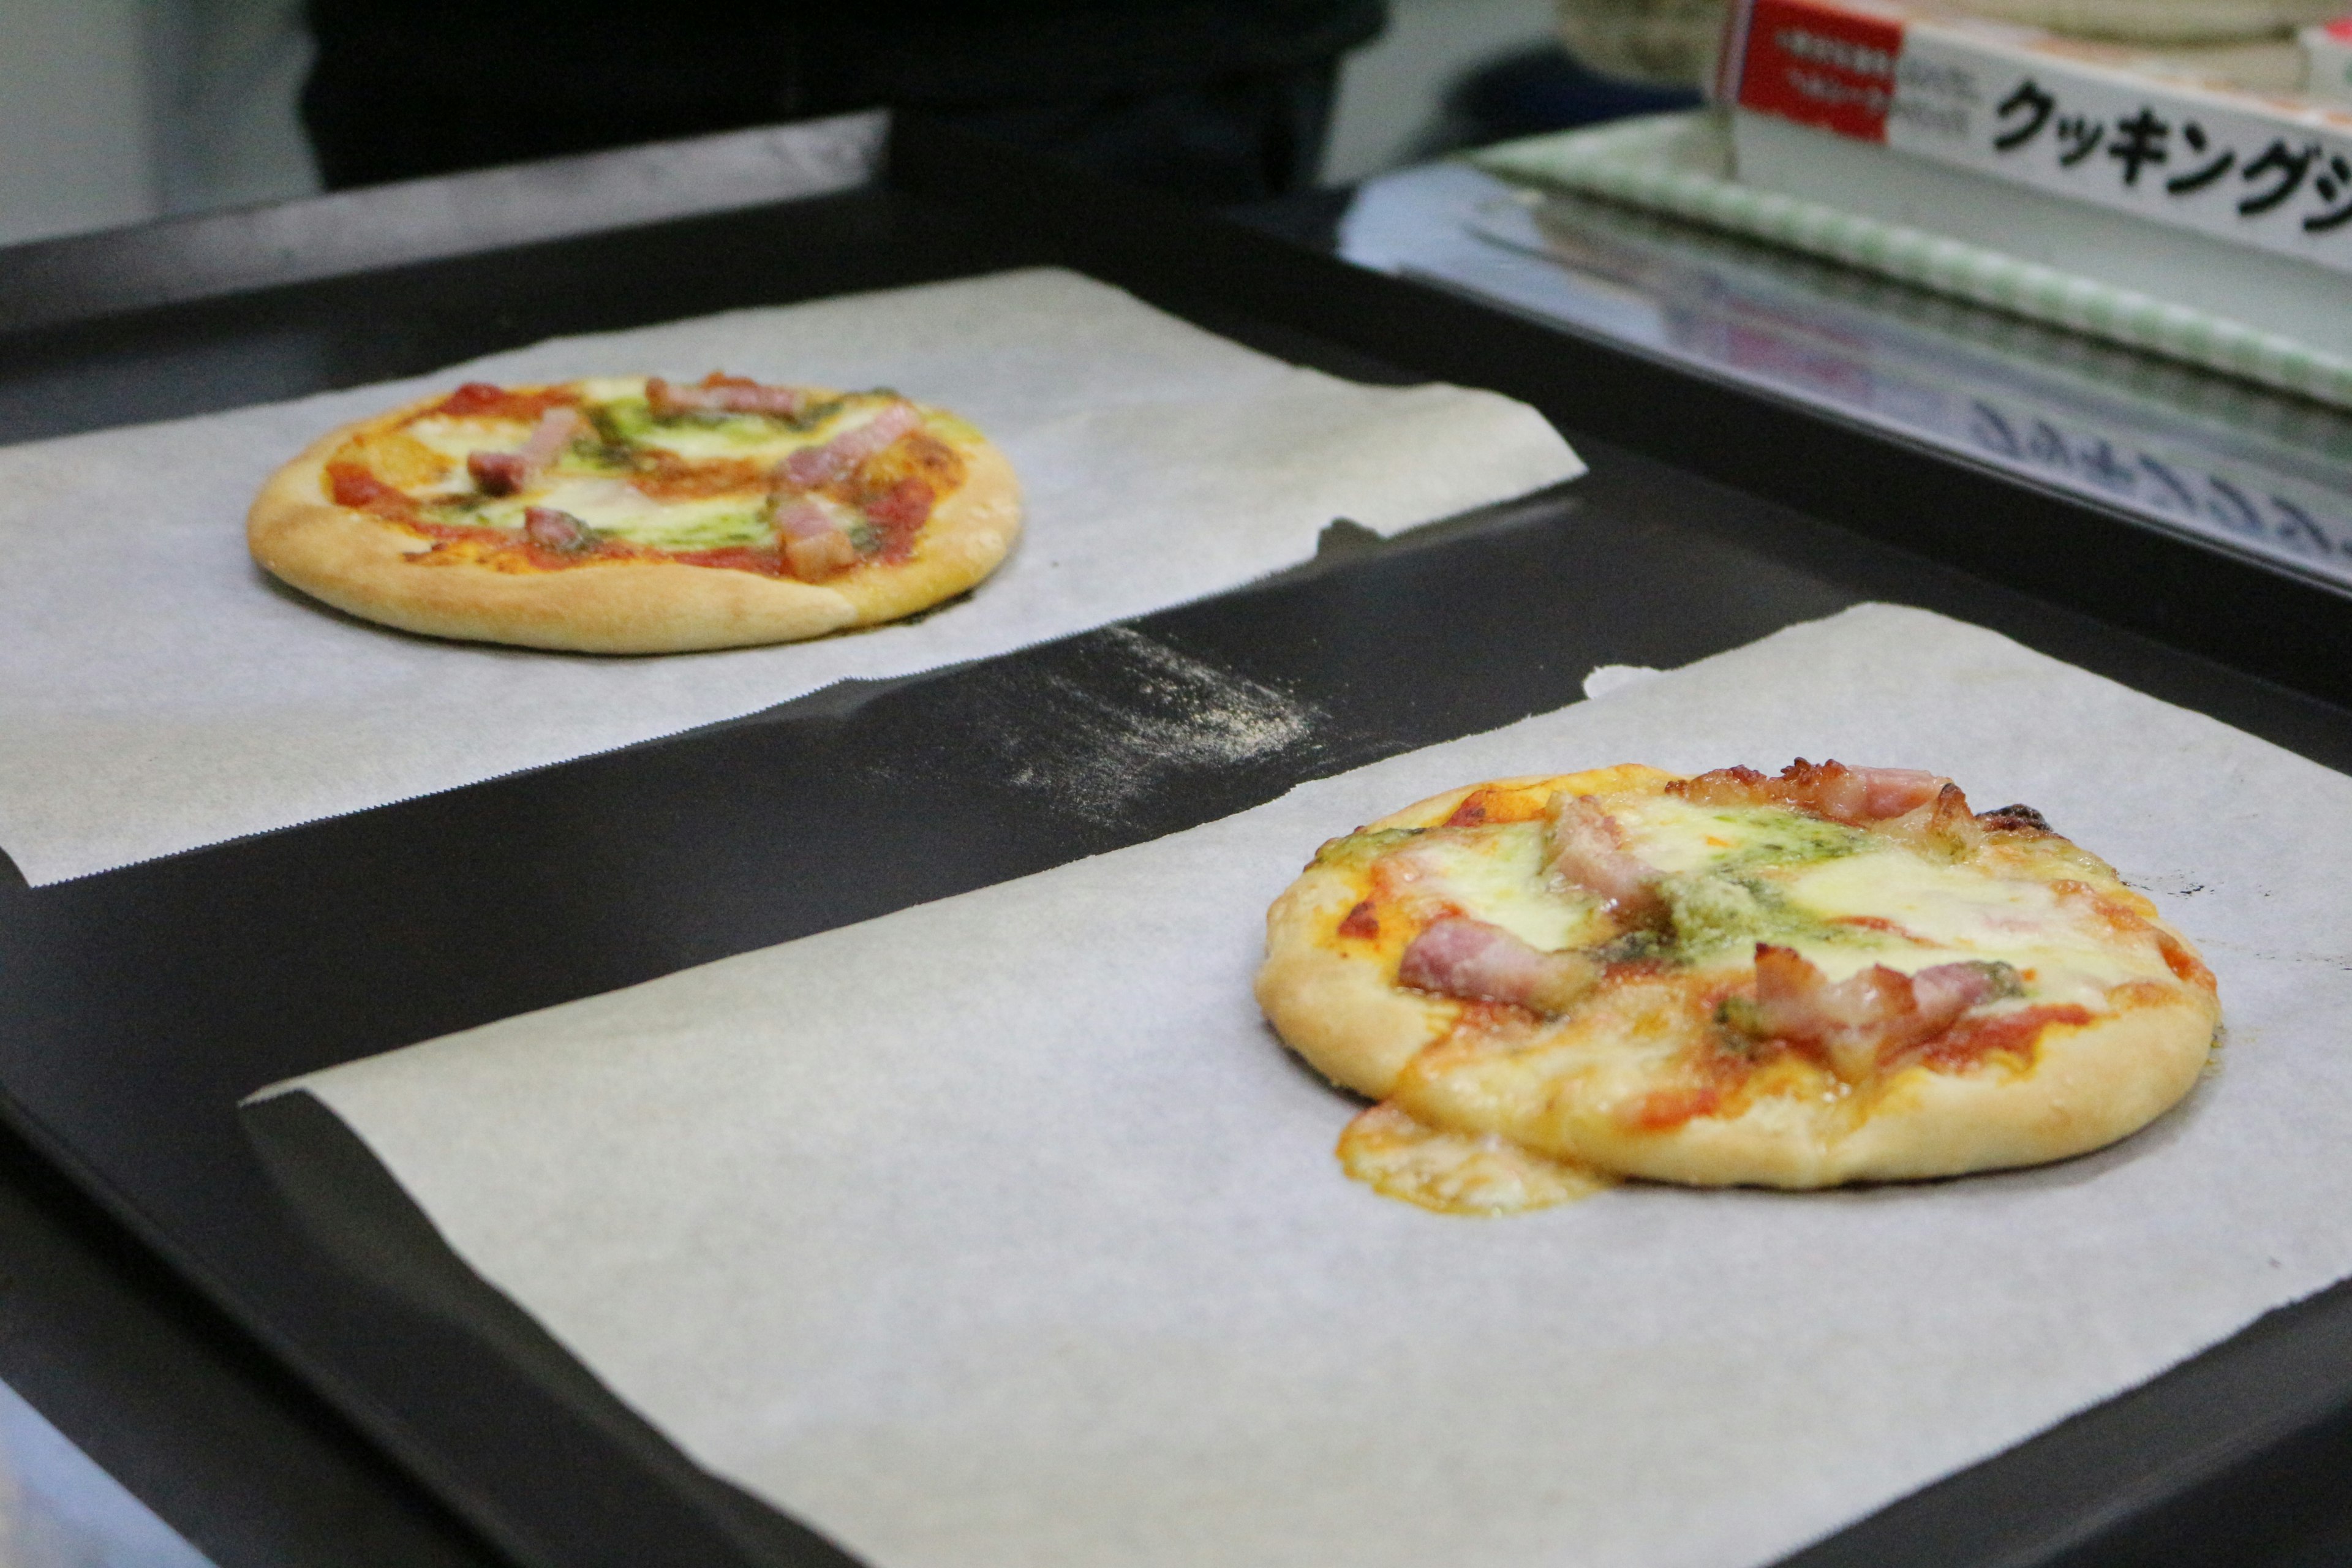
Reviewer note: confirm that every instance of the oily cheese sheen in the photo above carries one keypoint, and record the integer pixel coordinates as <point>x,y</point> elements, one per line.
<point>623,514</point>
<point>1834,975</point>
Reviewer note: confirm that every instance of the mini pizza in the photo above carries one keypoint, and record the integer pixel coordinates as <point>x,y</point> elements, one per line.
<point>1839,975</point>
<point>632,515</point>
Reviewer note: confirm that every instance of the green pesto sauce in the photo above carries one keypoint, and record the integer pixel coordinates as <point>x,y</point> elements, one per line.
<point>622,421</point>
<point>714,532</point>
<point>628,421</point>
<point>1361,848</point>
<point>1719,910</point>
<point>1768,835</point>
<point>1718,914</point>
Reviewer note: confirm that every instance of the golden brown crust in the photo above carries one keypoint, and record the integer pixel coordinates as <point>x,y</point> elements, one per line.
<point>2087,1085</point>
<point>361,563</point>
<point>1572,1087</point>
<point>1339,1009</point>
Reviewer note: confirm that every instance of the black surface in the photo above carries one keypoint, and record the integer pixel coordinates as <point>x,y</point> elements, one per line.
<point>140,1005</point>
<point>183,1409</point>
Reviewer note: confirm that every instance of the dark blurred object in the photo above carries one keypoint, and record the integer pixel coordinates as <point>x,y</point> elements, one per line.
<point>1224,100</point>
<point>1545,89</point>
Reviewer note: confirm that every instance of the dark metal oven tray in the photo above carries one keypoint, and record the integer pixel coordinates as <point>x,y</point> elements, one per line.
<point>138,1008</point>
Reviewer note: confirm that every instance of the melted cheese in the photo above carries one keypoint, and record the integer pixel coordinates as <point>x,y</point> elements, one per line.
<point>751,436</point>
<point>1952,913</point>
<point>618,508</point>
<point>1458,1173</point>
<point>457,439</point>
<point>1738,875</point>
<point>1497,875</point>
<point>604,501</point>
<point>1679,839</point>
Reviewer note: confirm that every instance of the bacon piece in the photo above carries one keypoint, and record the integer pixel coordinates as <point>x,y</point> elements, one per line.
<point>557,531</point>
<point>497,473</point>
<point>1830,789</point>
<point>2019,818</point>
<point>720,394</point>
<point>557,428</point>
<point>814,546</point>
<point>1588,847</point>
<point>1861,1021</point>
<point>814,465</point>
<point>504,473</point>
<point>1891,791</point>
<point>1458,956</point>
<point>1951,824</point>
<point>1945,826</point>
<point>898,514</point>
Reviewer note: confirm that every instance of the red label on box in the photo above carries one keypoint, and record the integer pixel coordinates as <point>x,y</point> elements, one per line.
<point>1820,65</point>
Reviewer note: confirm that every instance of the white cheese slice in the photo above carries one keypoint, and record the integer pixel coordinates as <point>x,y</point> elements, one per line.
<point>1497,875</point>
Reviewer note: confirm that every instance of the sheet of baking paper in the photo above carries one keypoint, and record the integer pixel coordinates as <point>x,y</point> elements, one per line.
<point>158,691</point>
<point>1001,1230</point>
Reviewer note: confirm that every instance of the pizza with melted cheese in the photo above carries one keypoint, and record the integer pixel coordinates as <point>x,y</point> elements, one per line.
<point>628,514</point>
<point>1838,975</point>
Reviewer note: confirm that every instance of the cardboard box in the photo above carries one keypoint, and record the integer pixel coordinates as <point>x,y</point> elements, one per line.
<point>2327,60</point>
<point>2070,119</point>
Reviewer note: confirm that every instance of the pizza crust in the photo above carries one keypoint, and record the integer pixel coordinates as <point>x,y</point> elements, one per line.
<point>361,563</point>
<point>1338,1005</point>
<point>2088,1086</point>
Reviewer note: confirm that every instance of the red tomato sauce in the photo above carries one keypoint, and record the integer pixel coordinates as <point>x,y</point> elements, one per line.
<point>898,515</point>
<point>480,400</point>
<point>766,562</point>
<point>1971,1041</point>
<point>355,485</point>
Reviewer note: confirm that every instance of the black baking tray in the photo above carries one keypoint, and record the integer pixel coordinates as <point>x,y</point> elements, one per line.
<point>138,1008</point>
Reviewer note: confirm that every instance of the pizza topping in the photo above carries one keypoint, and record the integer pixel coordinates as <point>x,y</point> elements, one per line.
<point>557,531</point>
<point>1842,794</point>
<point>504,473</point>
<point>1813,949</point>
<point>1471,959</point>
<point>355,485</point>
<point>813,467</point>
<point>726,473</point>
<point>1857,1023</point>
<point>720,394</point>
<point>2014,820</point>
<point>897,514</point>
<point>1388,1149</point>
<point>1588,849</point>
<point>814,544</point>
<point>482,400</point>
<point>1724,911</point>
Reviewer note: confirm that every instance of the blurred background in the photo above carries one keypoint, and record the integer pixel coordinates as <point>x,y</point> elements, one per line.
<point>117,111</point>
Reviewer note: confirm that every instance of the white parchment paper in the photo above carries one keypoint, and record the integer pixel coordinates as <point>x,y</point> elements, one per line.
<point>158,691</point>
<point>1001,1231</point>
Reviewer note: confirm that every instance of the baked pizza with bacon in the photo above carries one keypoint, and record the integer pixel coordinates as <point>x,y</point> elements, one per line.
<point>630,514</point>
<point>1837,974</point>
